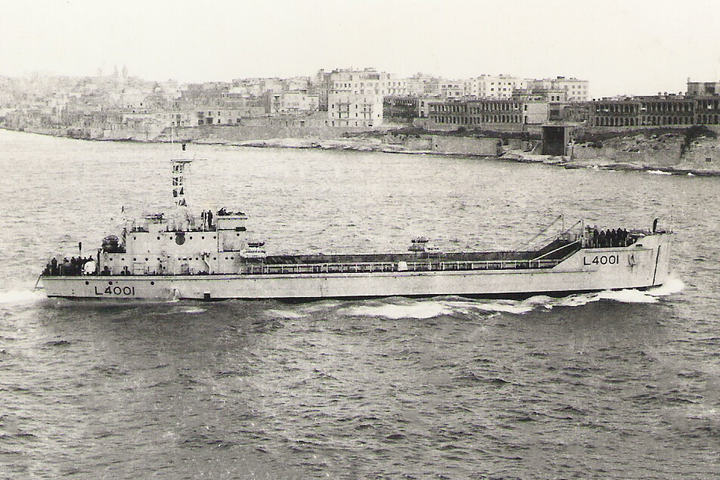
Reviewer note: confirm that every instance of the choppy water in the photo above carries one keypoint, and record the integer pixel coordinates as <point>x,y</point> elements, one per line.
<point>611,385</point>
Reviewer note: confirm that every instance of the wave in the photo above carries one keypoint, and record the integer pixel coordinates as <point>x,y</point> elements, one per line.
<point>420,310</point>
<point>672,285</point>
<point>10,297</point>
<point>174,311</point>
<point>658,172</point>
<point>288,314</point>
<point>431,308</point>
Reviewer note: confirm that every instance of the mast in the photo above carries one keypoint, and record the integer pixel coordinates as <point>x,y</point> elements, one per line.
<point>179,166</point>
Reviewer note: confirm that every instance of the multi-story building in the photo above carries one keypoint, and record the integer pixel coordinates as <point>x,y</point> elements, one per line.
<point>296,84</point>
<point>493,86</point>
<point>218,116</point>
<point>294,102</point>
<point>702,88</point>
<point>355,97</point>
<point>655,111</point>
<point>707,110</point>
<point>401,108</point>
<point>355,110</point>
<point>256,87</point>
<point>397,87</point>
<point>576,90</point>
<point>499,114</point>
<point>424,105</point>
<point>451,89</point>
<point>421,84</point>
<point>359,82</point>
<point>535,107</point>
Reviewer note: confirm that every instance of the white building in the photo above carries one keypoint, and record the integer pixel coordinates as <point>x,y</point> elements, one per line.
<point>576,90</point>
<point>422,84</point>
<point>452,88</point>
<point>355,110</point>
<point>355,97</point>
<point>359,82</point>
<point>293,102</point>
<point>494,86</point>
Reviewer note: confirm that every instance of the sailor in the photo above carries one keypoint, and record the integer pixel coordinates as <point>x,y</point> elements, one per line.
<point>589,237</point>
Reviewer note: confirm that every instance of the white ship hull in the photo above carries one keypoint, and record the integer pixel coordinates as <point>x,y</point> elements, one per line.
<point>642,265</point>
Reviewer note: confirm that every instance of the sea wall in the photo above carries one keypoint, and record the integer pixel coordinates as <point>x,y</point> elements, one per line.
<point>242,133</point>
<point>490,147</point>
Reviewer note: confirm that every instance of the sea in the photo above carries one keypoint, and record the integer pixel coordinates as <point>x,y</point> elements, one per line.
<point>610,385</point>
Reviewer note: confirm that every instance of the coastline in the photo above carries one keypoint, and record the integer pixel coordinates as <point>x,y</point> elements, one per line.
<point>644,156</point>
<point>513,155</point>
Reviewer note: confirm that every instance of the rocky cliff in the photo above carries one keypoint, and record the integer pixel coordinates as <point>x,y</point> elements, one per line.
<point>692,150</point>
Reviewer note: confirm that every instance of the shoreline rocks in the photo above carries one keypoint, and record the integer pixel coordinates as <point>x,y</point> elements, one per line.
<point>669,153</point>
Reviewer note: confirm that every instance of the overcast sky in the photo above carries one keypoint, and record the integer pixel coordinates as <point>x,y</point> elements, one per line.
<point>620,46</point>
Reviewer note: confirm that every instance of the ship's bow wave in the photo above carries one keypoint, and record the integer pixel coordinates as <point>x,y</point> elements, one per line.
<point>458,306</point>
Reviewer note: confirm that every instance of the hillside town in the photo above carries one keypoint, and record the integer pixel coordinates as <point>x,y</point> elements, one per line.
<point>119,106</point>
<point>345,101</point>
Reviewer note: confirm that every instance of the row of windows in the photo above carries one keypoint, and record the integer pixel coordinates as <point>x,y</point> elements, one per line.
<point>644,121</point>
<point>484,107</point>
<point>477,120</point>
<point>644,107</point>
<point>709,105</point>
<point>346,123</point>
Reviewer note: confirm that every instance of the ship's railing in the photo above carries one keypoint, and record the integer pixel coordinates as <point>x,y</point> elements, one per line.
<point>425,266</point>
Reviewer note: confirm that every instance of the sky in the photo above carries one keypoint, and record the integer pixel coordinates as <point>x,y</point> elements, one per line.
<point>628,47</point>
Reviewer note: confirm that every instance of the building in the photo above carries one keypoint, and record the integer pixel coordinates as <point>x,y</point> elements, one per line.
<point>355,97</point>
<point>451,89</point>
<point>401,108</point>
<point>293,102</point>
<point>707,110</point>
<point>702,88</point>
<point>421,84</point>
<point>654,111</point>
<point>576,90</point>
<point>494,114</point>
<point>397,87</point>
<point>493,86</point>
<point>355,110</point>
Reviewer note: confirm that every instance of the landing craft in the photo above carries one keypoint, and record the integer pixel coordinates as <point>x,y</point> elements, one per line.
<point>211,257</point>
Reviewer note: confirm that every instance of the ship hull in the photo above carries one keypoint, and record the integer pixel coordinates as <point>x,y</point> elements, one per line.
<point>642,265</point>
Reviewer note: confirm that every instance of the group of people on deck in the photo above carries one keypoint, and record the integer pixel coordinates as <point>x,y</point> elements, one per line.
<point>73,266</point>
<point>608,238</point>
